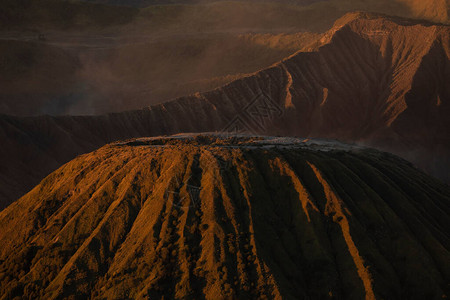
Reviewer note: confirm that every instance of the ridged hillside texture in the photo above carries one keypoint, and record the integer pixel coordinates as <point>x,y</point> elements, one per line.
<point>166,51</point>
<point>56,77</point>
<point>371,79</point>
<point>235,217</point>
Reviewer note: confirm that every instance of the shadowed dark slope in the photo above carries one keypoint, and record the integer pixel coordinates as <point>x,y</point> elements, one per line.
<point>372,79</point>
<point>229,218</point>
<point>103,73</point>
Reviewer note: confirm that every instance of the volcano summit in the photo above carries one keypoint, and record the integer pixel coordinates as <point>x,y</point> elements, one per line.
<point>210,216</point>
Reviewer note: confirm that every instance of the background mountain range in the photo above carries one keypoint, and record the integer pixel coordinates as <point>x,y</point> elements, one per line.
<point>371,79</point>
<point>77,58</point>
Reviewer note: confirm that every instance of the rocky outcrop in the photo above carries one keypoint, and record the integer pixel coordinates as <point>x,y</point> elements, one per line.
<point>372,79</point>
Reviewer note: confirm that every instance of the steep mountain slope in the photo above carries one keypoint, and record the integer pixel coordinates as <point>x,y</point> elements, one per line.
<point>372,79</point>
<point>154,54</point>
<point>94,74</point>
<point>237,217</point>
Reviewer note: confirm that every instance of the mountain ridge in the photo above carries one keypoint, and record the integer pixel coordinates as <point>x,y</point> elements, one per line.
<point>314,92</point>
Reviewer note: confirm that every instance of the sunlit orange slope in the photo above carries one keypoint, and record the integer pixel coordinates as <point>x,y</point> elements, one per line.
<point>207,217</point>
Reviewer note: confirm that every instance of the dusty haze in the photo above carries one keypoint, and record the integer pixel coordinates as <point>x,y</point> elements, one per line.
<point>101,63</point>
